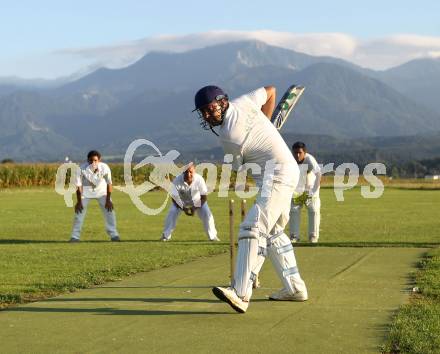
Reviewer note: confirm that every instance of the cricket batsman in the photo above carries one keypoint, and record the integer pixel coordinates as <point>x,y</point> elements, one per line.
<point>245,132</point>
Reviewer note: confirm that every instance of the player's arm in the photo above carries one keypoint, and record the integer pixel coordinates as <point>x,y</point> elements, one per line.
<point>175,204</point>
<point>108,180</point>
<point>108,201</point>
<point>203,199</point>
<point>202,188</point>
<point>317,171</point>
<point>175,197</point>
<point>317,183</point>
<point>78,184</point>
<point>78,205</point>
<point>269,106</point>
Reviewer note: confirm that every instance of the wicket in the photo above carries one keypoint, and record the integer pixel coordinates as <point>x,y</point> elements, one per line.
<point>231,233</point>
<point>231,239</point>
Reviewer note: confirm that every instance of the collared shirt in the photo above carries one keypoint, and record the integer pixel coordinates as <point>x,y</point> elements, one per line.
<point>309,173</point>
<point>94,183</point>
<point>189,194</point>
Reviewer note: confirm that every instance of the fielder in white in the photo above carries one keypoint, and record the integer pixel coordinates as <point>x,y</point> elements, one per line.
<point>94,181</point>
<point>190,196</point>
<point>247,134</point>
<point>309,182</point>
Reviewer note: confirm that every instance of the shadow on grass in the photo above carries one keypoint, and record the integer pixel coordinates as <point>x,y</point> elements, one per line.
<point>370,244</point>
<point>157,299</point>
<point>177,242</point>
<point>382,332</point>
<point>17,242</point>
<point>113,311</point>
<point>140,299</point>
<point>160,287</point>
<point>222,243</point>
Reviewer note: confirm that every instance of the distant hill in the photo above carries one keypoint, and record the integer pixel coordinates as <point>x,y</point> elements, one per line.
<point>408,156</point>
<point>365,150</point>
<point>418,79</point>
<point>174,72</point>
<point>153,99</point>
<point>10,85</point>
<point>25,133</point>
<point>356,105</point>
<point>6,89</point>
<point>338,102</point>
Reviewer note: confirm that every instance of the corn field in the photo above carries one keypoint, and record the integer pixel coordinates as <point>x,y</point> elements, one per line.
<point>30,175</point>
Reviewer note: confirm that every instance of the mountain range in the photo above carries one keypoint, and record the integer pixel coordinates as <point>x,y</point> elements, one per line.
<point>153,99</point>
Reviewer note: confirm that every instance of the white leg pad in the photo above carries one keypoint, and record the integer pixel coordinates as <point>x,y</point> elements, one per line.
<point>250,259</point>
<point>280,251</point>
<point>295,219</point>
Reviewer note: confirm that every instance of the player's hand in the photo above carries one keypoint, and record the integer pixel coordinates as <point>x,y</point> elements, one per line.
<point>78,207</point>
<point>189,211</point>
<point>109,205</point>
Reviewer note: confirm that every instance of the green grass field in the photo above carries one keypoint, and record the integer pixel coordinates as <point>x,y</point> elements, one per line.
<point>353,293</point>
<point>37,261</point>
<point>416,327</point>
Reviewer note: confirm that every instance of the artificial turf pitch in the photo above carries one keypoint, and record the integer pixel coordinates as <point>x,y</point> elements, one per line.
<point>353,295</point>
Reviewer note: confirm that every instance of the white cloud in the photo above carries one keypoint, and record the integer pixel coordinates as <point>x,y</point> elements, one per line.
<point>378,53</point>
<point>411,40</point>
<point>332,44</point>
<point>434,54</point>
<point>386,52</point>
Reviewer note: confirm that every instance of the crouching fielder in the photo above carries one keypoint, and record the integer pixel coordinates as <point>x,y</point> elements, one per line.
<point>189,195</point>
<point>247,134</point>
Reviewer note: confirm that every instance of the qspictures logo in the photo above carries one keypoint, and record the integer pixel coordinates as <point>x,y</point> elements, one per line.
<point>346,176</point>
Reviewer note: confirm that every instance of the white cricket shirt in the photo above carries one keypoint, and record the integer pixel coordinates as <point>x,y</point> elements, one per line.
<point>189,194</point>
<point>250,137</point>
<point>309,169</point>
<point>94,184</point>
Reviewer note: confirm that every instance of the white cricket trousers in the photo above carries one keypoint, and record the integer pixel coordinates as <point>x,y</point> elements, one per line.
<point>262,234</point>
<point>109,217</point>
<point>314,216</point>
<point>204,214</point>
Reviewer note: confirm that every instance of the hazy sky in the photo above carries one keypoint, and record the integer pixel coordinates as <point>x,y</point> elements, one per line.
<point>52,38</point>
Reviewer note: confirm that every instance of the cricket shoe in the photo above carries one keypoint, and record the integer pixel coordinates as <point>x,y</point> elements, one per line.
<point>313,239</point>
<point>73,240</point>
<point>294,239</point>
<point>164,239</point>
<point>256,283</point>
<point>115,239</point>
<point>229,296</point>
<point>215,239</point>
<point>284,295</point>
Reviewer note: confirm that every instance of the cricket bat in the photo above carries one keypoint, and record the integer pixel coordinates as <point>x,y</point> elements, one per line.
<point>286,105</point>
